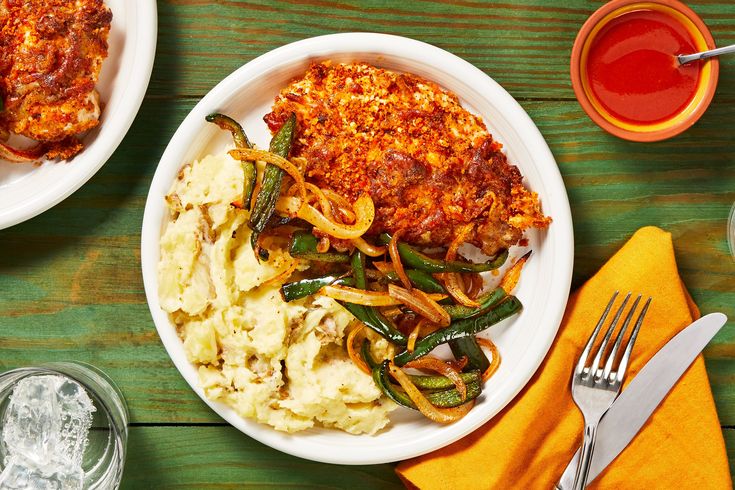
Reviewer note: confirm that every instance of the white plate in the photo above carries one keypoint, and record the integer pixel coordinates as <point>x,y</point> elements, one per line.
<point>27,190</point>
<point>247,94</point>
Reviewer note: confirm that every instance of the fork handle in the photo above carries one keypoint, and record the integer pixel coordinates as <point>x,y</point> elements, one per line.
<point>585,459</point>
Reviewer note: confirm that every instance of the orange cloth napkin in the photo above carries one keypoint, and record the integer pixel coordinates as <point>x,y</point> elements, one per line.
<point>530,442</point>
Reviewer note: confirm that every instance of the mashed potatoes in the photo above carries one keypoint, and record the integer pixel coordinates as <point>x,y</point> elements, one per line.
<point>280,363</point>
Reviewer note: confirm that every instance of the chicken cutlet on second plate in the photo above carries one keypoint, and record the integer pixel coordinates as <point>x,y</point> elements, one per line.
<point>51,53</point>
<point>429,165</point>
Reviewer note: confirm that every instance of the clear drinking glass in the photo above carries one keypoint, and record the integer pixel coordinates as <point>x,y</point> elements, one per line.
<point>104,456</point>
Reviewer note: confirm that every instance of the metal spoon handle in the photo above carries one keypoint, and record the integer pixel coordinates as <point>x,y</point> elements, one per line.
<point>686,58</point>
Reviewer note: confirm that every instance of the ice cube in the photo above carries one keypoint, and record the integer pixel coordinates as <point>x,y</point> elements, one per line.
<point>44,433</point>
<point>23,474</point>
<point>32,421</point>
<point>76,415</point>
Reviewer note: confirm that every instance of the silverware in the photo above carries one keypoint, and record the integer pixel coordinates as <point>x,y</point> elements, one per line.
<point>643,394</point>
<point>683,59</point>
<point>594,388</point>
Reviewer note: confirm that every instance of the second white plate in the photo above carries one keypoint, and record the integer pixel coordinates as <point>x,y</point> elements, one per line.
<point>27,189</point>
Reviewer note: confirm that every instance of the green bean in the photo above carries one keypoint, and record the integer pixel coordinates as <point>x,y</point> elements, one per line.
<point>423,382</point>
<point>487,301</point>
<point>265,201</point>
<point>241,141</point>
<point>443,399</point>
<point>375,320</point>
<point>358,269</point>
<point>421,279</point>
<point>306,287</point>
<point>228,124</point>
<point>368,315</point>
<point>460,312</point>
<point>459,329</point>
<point>417,260</point>
<point>303,245</point>
<point>366,355</point>
<point>442,382</point>
<point>469,348</point>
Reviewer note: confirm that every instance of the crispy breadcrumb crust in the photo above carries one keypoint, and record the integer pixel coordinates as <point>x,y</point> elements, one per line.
<point>51,53</point>
<point>429,165</point>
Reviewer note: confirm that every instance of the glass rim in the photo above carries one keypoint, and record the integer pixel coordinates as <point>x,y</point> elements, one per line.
<point>57,368</point>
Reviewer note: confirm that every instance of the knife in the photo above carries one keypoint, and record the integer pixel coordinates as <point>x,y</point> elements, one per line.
<point>644,393</point>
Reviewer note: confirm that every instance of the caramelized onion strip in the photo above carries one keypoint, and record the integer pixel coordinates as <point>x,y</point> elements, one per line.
<point>364,297</point>
<point>452,280</point>
<point>396,259</point>
<point>354,354</point>
<point>248,155</point>
<point>421,303</point>
<point>364,210</point>
<point>494,362</point>
<point>367,248</point>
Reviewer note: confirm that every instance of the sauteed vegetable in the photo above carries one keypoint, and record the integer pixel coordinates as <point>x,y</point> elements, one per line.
<point>416,300</point>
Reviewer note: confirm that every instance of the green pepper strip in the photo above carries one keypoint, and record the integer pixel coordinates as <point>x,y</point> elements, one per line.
<point>366,314</point>
<point>421,279</point>
<point>241,141</point>
<point>417,260</point>
<point>265,202</point>
<point>303,245</point>
<point>443,399</point>
<point>469,348</point>
<point>459,329</point>
<point>306,287</point>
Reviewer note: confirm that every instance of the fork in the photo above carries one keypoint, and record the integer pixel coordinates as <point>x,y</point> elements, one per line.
<point>594,388</point>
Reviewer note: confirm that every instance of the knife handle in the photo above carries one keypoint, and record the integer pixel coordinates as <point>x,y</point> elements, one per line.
<point>583,469</point>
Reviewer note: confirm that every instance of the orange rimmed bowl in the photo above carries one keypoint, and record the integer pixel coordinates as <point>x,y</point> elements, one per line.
<point>629,130</point>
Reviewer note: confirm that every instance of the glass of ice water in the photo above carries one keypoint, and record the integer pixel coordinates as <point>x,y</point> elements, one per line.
<point>62,426</point>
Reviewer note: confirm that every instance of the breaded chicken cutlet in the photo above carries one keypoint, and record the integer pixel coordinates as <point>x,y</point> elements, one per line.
<point>51,53</point>
<point>429,165</point>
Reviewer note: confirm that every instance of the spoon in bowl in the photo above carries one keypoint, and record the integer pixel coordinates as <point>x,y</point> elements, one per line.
<point>683,59</point>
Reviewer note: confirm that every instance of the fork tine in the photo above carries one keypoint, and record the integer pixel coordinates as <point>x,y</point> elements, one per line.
<point>588,348</point>
<point>619,339</point>
<point>598,357</point>
<point>620,374</point>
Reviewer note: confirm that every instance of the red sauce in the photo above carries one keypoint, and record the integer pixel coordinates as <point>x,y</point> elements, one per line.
<point>633,71</point>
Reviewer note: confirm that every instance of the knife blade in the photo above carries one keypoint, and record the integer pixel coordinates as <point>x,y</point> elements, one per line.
<point>644,393</point>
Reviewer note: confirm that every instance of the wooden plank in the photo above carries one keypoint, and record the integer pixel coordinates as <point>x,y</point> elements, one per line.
<point>72,288</point>
<point>524,45</point>
<point>222,457</point>
<point>729,434</point>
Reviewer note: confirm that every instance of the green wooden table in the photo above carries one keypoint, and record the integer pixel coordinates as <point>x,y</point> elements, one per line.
<point>70,278</point>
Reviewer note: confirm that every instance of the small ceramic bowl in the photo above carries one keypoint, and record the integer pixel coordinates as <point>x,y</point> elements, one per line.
<point>669,127</point>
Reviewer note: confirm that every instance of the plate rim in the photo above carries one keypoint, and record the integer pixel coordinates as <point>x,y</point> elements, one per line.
<point>135,89</point>
<point>336,44</point>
